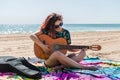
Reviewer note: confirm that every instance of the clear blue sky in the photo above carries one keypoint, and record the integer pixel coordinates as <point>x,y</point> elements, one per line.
<point>73,11</point>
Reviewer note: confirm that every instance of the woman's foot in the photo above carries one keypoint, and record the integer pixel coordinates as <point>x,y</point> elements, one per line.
<point>93,68</point>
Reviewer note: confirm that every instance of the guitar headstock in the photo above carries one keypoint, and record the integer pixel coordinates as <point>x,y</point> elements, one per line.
<point>95,47</point>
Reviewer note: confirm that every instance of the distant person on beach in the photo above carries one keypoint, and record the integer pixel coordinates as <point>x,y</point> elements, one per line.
<point>52,26</point>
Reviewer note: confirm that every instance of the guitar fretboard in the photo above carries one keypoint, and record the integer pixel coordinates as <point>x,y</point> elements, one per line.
<point>68,47</point>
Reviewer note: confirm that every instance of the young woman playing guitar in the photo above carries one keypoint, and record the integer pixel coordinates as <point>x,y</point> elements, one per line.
<point>52,27</point>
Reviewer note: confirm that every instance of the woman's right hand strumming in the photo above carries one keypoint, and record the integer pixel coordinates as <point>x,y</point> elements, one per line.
<point>46,49</point>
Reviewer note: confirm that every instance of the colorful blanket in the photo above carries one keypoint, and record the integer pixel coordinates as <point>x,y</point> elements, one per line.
<point>108,70</point>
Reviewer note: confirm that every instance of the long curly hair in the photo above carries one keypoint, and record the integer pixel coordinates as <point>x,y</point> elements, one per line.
<point>49,22</point>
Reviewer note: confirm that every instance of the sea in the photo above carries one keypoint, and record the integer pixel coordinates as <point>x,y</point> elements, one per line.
<point>31,28</point>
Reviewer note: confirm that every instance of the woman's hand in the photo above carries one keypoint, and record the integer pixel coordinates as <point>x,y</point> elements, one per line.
<point>46,49</point>
<point>74,50</point>
<point>84,49</point>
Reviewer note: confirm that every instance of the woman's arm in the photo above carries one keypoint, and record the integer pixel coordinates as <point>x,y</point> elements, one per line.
<point>36,39</point>
<point>38,42</point>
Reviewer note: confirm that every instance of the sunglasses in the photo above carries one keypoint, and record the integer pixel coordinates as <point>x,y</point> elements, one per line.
<point>57,26</point>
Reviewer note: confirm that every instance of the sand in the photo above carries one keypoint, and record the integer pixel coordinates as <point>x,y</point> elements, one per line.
<point>20,45</point>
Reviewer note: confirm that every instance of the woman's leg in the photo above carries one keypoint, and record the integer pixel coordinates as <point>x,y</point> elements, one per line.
<point>57,57</point>
<point>78,57</point>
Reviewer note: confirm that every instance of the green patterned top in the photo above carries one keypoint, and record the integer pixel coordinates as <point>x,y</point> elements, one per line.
<point>63,34</point>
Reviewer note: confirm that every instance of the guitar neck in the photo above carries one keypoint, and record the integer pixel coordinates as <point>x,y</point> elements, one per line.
<point>68,47</point>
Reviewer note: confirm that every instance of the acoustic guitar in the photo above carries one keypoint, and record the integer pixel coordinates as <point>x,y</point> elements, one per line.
<point>58,44</point>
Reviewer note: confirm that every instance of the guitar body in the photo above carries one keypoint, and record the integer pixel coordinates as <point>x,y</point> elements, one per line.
<point>50,42</point>
<point>58,44</point>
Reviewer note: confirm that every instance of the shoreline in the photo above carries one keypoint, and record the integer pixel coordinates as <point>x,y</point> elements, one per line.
<point>20,45</point>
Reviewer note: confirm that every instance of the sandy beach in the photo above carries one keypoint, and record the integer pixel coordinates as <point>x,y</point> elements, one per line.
<point>20,45</point>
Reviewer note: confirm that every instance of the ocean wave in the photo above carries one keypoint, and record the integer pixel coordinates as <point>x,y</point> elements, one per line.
<point>31,28</point>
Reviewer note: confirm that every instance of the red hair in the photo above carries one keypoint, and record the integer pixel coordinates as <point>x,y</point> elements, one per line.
<point>49,22</point>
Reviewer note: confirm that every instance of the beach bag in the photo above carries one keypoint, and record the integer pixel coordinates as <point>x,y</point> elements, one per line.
<point>20,66</point>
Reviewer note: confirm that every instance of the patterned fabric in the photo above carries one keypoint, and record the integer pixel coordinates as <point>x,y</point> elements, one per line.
<point>108,70</point>
<point>63,34</point>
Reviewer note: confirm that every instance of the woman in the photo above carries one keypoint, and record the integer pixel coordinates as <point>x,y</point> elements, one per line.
<point>52,26</point>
